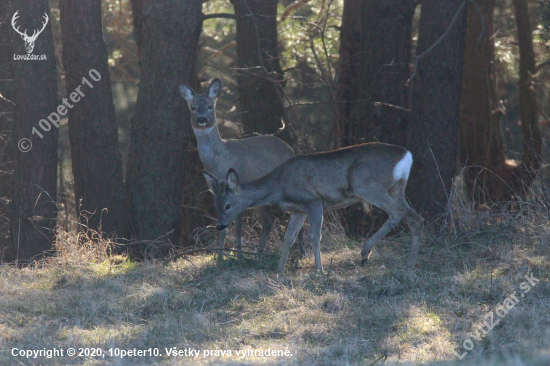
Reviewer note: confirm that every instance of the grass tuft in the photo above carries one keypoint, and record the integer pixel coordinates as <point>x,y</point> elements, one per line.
<point>86,296</point>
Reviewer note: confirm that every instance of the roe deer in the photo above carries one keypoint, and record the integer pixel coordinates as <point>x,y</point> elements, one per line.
<point>305,185</point>
<point>251,157</point>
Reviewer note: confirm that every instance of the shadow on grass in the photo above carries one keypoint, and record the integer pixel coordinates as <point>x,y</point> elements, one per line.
<point>348,314</point>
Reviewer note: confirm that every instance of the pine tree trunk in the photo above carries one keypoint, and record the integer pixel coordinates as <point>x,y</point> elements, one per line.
<point>482,147</point>
<point>375,55</point>
<point>96,159</point>
<point>35,181</point>
<point>528,106</point>
<point>7,110</point>
<point>167,33</point>
<point>380,111</point>
<point>348,69</point>
<point>260,76</point>
<point>434,122</point>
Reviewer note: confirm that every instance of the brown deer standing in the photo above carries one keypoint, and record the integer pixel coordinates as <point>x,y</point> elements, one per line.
<point>306,185</point>
<point>251,157</point>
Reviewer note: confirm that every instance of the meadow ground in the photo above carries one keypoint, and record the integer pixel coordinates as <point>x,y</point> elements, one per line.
<point>381,313</point>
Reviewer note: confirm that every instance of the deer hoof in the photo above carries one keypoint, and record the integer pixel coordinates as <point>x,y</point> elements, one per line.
<point>364,257</point>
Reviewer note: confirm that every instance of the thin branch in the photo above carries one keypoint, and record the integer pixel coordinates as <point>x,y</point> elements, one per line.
<point>211,250</point>
<point>6,99</point>
<point>384,356</point>
<point>376,104</point>
<point>220,15</point>
<point>201,210</point>
<point>542,65</point>
<point>482,18</point>
<point>430,49</point>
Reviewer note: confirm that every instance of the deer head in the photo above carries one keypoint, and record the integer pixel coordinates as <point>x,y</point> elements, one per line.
<point>29,40</point>
<point>230,199</point>
<point>202,106</point>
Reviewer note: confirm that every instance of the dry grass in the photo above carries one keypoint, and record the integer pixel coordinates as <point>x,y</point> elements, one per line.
<point>351,315</point>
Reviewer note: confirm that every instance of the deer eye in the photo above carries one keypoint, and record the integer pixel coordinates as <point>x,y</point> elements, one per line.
<point>194,108</point>
<point>227,206</point>
<point>209,107</point>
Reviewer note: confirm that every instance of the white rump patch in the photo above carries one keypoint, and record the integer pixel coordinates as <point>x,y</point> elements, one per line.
<point>403,167</point>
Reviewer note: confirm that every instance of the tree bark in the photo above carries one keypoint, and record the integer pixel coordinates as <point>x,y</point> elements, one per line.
<point>482,147</point>
<point>489,176</point>
<point>434,122</point>
<point>375,55</point>
<point>375,106</point>
<point>35,180</point>
<point>528,106</point>
<point>348,69</point>
<point>260,76</point>
<point>167,34</point>
<point>96,159</point>
<point>7,110</point>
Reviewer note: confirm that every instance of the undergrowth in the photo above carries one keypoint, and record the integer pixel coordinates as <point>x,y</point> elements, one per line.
<point>382,313</point>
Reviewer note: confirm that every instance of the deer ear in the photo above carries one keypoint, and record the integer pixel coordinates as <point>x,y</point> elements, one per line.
<point>186,92</point>
<point>232,180</point>
<point>215,89</point>
<point>212,182</point>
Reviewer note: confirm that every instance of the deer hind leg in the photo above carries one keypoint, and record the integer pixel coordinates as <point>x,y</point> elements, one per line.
<point>267,223</point>
<point>414,221</point>
<point>301,244</point>
<point>379,196</point>
<point>315,215</point>
<point>294,225</point>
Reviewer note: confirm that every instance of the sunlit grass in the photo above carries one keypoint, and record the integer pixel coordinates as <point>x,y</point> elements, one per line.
<point>85,297</point>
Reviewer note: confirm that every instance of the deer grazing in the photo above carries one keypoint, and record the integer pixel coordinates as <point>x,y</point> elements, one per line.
<point>29,40</point>
<point>305,185</point>
<point>251,157</point>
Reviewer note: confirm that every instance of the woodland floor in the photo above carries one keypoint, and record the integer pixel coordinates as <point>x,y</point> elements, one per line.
<point>381,313</point>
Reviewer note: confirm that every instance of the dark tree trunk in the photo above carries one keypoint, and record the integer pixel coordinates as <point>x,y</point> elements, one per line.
<point>528,108</point>
<point>378,111</point>
<point>434,125</point>
<point>35,181</point>
<point>7,110</point>
<point>482,147</point>
<point>167,33</point>
<point>375,55</point>
<point>489,175</point>
<point>260,76</point>
<point>348,69</point>
<point>96,159</point>
<point>7,106</point>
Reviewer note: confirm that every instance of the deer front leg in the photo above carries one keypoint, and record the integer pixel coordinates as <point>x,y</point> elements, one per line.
<point>294,225</point>
<point>222,235</point>
<point>239,235</point>
<point>267,224</point>
<point>315,214</point>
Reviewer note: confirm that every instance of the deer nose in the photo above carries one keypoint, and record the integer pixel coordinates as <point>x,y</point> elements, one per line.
<point>221,227</point>
<point>201,120</point>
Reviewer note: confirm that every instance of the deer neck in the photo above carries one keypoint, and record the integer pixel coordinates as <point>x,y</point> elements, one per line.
<point>264,191</point>
<point>210,145</point>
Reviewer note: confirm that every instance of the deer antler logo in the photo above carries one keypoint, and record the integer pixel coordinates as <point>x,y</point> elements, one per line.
<point>29,40</point>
